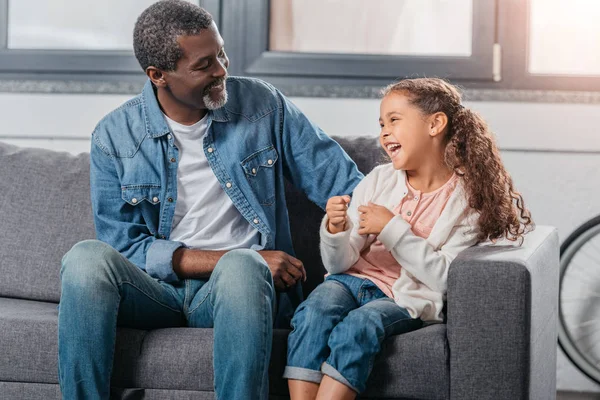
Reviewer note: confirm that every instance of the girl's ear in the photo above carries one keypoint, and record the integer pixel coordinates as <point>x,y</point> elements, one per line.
<point>438,123</point>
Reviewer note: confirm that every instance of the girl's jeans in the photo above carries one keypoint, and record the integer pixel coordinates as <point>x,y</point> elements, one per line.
<point>339,330</point>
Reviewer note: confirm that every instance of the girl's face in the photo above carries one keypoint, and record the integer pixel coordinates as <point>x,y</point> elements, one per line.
<point>405,132</point>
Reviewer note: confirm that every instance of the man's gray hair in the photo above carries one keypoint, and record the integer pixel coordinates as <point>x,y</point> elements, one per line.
<point>157,28</point>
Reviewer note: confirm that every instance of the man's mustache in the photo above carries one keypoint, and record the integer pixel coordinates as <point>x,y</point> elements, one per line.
<point>215,84</point>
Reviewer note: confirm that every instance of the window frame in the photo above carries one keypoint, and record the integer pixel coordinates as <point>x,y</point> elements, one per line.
<point>73,64</point>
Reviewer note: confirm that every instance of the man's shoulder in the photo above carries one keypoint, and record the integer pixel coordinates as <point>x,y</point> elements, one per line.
<point>130,108</point>
<point>120,126</point>
<point>251,97</point>
<point>253,85</point>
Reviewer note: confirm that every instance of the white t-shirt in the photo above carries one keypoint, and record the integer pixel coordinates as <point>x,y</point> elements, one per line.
<point>205,217</point>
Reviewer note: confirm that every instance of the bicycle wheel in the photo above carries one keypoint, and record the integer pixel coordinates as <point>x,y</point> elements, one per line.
<point>579,298</point>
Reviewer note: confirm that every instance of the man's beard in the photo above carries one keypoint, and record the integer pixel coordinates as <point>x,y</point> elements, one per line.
<point>208,100</point>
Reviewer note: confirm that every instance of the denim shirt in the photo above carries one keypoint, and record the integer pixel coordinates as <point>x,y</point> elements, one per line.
<point>255,141</point>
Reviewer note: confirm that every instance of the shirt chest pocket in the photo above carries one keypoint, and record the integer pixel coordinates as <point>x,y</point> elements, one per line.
<point>145,201</point>
<point>259,171</point>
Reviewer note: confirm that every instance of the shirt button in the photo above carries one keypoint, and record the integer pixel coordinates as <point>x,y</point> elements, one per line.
<point>134,200</point>
<point>210,149</point>
<point>270,162</point>
<point>228,184</point>
<point>163,237</point>
<point>255,220</point>
<point>169,137</point>
<point>170,199</point>
<point>155,199</point>
<point>416,198</point>
<point>173,159</point>
<point>254,170</point>
<point>409,213</point>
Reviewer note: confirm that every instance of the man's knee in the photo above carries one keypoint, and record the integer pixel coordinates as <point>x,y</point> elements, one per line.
<point>87,261</point>
<point>241,275</point>
<point>242,265</point>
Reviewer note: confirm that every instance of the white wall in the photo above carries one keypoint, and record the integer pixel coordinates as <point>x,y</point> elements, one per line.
<point>539,143</point>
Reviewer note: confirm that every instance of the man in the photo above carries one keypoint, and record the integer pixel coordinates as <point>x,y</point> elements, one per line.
<point>187,185</point>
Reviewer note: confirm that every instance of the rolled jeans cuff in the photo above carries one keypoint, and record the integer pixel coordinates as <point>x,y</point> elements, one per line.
<point>302,374</point>
<point>333,373</point>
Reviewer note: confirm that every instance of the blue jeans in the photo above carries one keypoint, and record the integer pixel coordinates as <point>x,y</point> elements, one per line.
<point>101,290</point>
<point>339,328</point>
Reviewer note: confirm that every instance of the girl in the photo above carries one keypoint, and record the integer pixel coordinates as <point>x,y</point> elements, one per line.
<point>389,251</point>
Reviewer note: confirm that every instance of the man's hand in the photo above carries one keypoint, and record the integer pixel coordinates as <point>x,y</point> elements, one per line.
<point>337,210</point>
<point>373,218</point>
<point>286,270</point>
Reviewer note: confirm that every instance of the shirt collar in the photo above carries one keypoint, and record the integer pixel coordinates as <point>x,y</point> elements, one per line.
<point>156,125</point>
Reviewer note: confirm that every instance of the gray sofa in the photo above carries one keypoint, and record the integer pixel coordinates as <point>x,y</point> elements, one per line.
<point>499,341</point>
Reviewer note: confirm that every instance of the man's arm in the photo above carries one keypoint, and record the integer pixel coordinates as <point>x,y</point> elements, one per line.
<point>192,263</point>
<point>122,225</point>
<point>314,162</point>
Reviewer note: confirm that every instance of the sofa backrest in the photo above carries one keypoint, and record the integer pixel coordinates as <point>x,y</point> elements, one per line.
<point>45,209</point>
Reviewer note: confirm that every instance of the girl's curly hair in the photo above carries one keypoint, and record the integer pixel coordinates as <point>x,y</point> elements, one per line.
<point>472,153</point>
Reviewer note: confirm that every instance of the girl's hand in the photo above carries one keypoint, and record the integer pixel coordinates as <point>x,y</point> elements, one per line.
<point>373,218</point>
<point>336,208</point>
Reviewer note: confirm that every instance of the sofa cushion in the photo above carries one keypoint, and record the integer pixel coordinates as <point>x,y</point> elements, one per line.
<point>44,210</point>
<point>181,358</point>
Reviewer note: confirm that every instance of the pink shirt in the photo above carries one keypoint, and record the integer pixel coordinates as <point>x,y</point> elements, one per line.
<point>421,211</point>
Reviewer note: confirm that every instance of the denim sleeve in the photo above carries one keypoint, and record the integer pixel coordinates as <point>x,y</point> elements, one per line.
<point>314,162</point>
<point>122,226</point>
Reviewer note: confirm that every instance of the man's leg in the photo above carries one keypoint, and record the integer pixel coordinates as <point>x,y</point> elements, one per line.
<point>238,301</point>
<point>100,287</point>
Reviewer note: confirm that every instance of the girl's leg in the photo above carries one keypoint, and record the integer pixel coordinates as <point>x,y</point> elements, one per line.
<point>331,389</point>
<point>302,390</point>
<point>312,324</point>
<point>356,340</point>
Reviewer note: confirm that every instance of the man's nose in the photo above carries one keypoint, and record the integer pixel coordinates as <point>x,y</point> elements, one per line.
<point>221,70</point>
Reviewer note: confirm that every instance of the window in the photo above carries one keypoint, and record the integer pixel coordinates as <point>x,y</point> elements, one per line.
<point>308,46</point>
<point>563,37</point>
<point>386,27</point>
<point>359,41</point>
<point>550,44</point>
<point>72,38</point>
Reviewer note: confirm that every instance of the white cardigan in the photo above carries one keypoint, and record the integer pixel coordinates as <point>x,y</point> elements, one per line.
<point>421,287</point>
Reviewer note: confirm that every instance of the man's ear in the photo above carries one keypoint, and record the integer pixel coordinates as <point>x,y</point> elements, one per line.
<point>438,123</point>
<point>156,76</point>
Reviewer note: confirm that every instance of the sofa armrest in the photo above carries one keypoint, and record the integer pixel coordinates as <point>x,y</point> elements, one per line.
<point>502,319</point>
